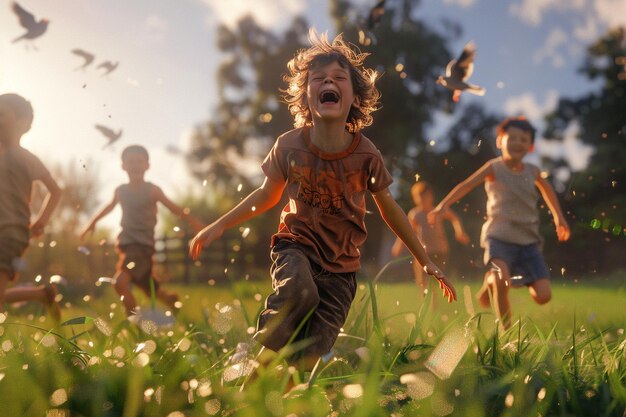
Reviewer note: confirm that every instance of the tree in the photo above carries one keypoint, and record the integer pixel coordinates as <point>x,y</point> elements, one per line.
<point>597,194</point>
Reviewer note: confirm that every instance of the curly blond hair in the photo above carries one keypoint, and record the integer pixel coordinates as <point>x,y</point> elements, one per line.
<point>323,52</point>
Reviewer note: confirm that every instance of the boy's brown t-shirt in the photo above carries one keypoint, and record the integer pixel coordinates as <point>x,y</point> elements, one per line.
<point>326,208</point>
<point>18,169</point>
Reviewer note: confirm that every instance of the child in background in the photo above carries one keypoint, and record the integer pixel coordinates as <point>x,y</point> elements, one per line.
<point>325,165</point>
<point>135,243</point>
<point>510,235</point>
<point>18,170</point>
<point>432,236</point>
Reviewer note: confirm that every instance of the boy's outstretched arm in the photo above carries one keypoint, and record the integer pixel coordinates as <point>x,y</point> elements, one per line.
<point>397,221</point>
<point>461,190</point>
<point>549,196</point>
<point>257,202</point>
<point>48,206</point>
<point>103,212</point>
<point>457,225</point>
<point>183,213</point>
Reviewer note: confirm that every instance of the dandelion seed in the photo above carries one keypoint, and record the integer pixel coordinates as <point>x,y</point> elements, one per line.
<point>38,278</point>
<point>25,367</point>
<point>419,385</point>
<point>245,232</point>
<point>176,229</point>
<point>508,401</point>
<point>500,84</point>
<point>183,345</point>
<point>239,187</point>
<point>563,272</point>
<point>53,244</point>
<point>7,345</point>
<point>48,340</point>
<point>541,394</point>
<point>212,407</point>
<point>58,397</point>
<point>448,353</point>
<point>2,376</point>
<point>432,142</point>
<point>457,392</point>
<point>131,265</point>
<point>141,360</point>
<point>204,183</point>
<point>84,250</point>
<point>86,298</point>
<point>353,391</point>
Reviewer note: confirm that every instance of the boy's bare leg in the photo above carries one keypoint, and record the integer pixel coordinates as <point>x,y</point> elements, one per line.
<point>45,294</point>
<point>500,290</point>
<point>483,294</point>
<point>540,291</point>
<point>123,288</point>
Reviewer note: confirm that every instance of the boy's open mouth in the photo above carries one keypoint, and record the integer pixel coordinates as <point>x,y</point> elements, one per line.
<point>329,97</point>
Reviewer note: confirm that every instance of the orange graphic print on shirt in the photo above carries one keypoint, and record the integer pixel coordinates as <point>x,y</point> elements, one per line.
<point>322,189</point>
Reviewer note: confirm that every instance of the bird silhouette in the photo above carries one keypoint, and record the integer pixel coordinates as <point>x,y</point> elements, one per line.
<point>110,134</point>
<point>376,13</point>
<point>87,56</point>
<point>458,71</point>
<point>34,29</point>
<point>108,67</point>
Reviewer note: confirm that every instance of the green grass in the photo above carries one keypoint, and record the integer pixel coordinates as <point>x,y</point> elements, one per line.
<point>565,358</point>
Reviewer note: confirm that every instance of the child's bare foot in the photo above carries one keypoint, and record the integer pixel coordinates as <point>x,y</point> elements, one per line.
<point>50,299</point>
<point>483,296</point>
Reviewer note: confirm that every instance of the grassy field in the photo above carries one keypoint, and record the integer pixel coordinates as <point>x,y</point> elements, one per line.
<point>398,356</point>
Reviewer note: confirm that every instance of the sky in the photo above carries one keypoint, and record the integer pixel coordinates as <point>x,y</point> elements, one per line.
<point>529,52</point>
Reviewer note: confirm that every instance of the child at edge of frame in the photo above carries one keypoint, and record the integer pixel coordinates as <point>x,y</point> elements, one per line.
<point>135,243</point>
<point>510,235</point>
<point>19,168</point>
<point>325,166</point>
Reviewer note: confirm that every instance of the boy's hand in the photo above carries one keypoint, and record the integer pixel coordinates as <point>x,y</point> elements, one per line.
<point>462,238</point>
<point>562,231</point>
<point>444,284</point>
<point>204,237</point>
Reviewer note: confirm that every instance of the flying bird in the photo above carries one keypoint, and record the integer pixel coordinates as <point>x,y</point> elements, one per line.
<point>108,66</point>
<point>34,29</point>
<point>458,71</point>
<point>376,13</point>
<point>87,56</point>
<point>111,135</point>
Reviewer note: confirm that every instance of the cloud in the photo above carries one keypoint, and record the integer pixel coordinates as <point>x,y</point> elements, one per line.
<point>527,105</point>
<point>267,13</point>
<point>550,50</point>
<point>531,11</point>
<point>461,3</point>
<point>611,12</point>
<point>588,32</point>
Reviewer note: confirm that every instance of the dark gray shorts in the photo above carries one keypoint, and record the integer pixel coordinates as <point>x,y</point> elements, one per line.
<point>13,243</point>
<point>524,261</point>
<point>305,297</point>
<point>136,259</point>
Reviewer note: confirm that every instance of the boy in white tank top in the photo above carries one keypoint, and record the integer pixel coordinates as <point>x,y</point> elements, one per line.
<point>510,235</point>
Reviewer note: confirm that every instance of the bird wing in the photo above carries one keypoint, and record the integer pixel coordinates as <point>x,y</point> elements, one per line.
<point>465,63</point>
<point>27,20</point>
<point>88,57</point>
<point>109,133</point>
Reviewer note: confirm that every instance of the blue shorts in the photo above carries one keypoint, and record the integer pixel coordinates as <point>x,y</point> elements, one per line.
<point>525,262</point>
